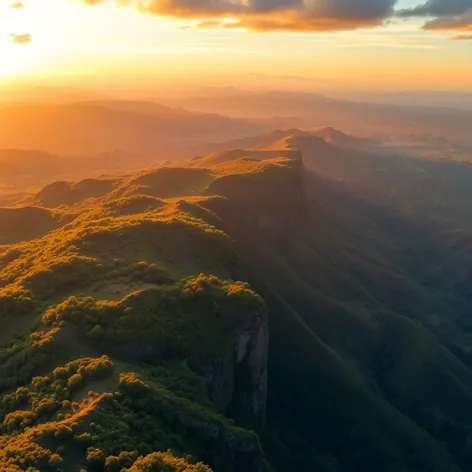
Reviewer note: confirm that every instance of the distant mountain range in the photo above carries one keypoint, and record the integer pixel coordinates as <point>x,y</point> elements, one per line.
<point>90,128</point>
<point>312,111</point>
<point>461,100</point>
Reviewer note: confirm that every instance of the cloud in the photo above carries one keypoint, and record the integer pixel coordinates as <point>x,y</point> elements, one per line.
<point>461,37</point>
<point>20,38</point>
<point>17,5</point>
<point>269,15</point>
<point>439,8</point>
<point>455,15</point>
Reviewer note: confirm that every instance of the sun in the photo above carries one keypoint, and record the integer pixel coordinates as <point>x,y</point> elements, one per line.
<point>16,58</point>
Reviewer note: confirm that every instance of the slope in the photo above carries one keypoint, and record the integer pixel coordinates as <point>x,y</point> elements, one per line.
<point>380,289</point>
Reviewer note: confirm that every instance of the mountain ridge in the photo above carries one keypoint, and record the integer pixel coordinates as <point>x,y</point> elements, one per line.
<point>258,312</point>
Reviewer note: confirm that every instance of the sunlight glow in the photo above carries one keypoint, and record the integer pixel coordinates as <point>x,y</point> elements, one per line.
<point>72,42</point>
<point>16,58</point>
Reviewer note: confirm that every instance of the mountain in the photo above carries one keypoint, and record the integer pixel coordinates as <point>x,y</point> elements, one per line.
<point>279,307</point>
<point>314,111</point>
<point>25,172</point>
<point>340,139</point>
<point>26,222</point>
<point>435,98</point>
<point>90,128</point>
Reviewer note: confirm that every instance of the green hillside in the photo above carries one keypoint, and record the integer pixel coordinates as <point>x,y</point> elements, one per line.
<point>250,311</point>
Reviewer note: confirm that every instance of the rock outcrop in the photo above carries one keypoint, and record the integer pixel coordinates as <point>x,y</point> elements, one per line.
<point>237,383</point>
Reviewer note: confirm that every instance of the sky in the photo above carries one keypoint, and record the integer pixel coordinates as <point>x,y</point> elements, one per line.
<point>364,44</point>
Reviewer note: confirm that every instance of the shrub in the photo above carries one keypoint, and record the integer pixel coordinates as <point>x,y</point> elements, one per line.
<point>75,382</point>
<point>95,459</point>
<point>166,462</point>
<point>63,432</point>
<point>112,464</point>
<point>55,461</point>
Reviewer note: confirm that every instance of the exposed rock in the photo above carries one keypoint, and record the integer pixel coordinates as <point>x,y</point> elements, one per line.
<point>239,380</point>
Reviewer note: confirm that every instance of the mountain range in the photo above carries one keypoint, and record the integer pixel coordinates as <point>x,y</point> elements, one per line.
<point>94,127</point>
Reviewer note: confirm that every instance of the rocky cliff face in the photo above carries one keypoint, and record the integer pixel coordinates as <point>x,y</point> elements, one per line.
<point>236,380</point>
<point>237,383</point>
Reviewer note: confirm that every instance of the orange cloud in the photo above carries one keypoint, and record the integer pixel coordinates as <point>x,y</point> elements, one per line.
<point>288,21</point>
<point>17,5</point>
<point>268,15</point>
<point>21,38</point>
<point>461,37</point>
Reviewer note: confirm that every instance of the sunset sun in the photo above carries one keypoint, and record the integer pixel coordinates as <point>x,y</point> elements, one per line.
<point>17,58</point>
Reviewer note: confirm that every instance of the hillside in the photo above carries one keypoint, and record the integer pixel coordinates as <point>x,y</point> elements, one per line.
<point>272,307</point>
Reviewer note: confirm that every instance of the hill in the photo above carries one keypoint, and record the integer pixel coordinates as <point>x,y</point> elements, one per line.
<point>266,309</point>
<point>314,111</point>
<point>25,172</point>
<point>340,139</point>
<point>91,128</point>
<point>24,223</point>
<point>70,193</point>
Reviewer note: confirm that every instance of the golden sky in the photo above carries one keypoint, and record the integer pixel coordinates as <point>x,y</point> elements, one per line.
<point>363,43</point>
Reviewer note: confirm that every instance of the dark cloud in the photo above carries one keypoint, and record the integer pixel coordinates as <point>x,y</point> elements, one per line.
<point>264,15</point>
<point>17,5</point>
<point>439,8</point>
<point>444,14</point>
<point>457,23</point>
<point>20,38</point>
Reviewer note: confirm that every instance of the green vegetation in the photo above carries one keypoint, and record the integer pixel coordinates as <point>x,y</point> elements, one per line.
<point>87,415</point>
<point>172,320</point>
<point>148,282</point>
<point>131,340</point>
<point>159,462</point>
